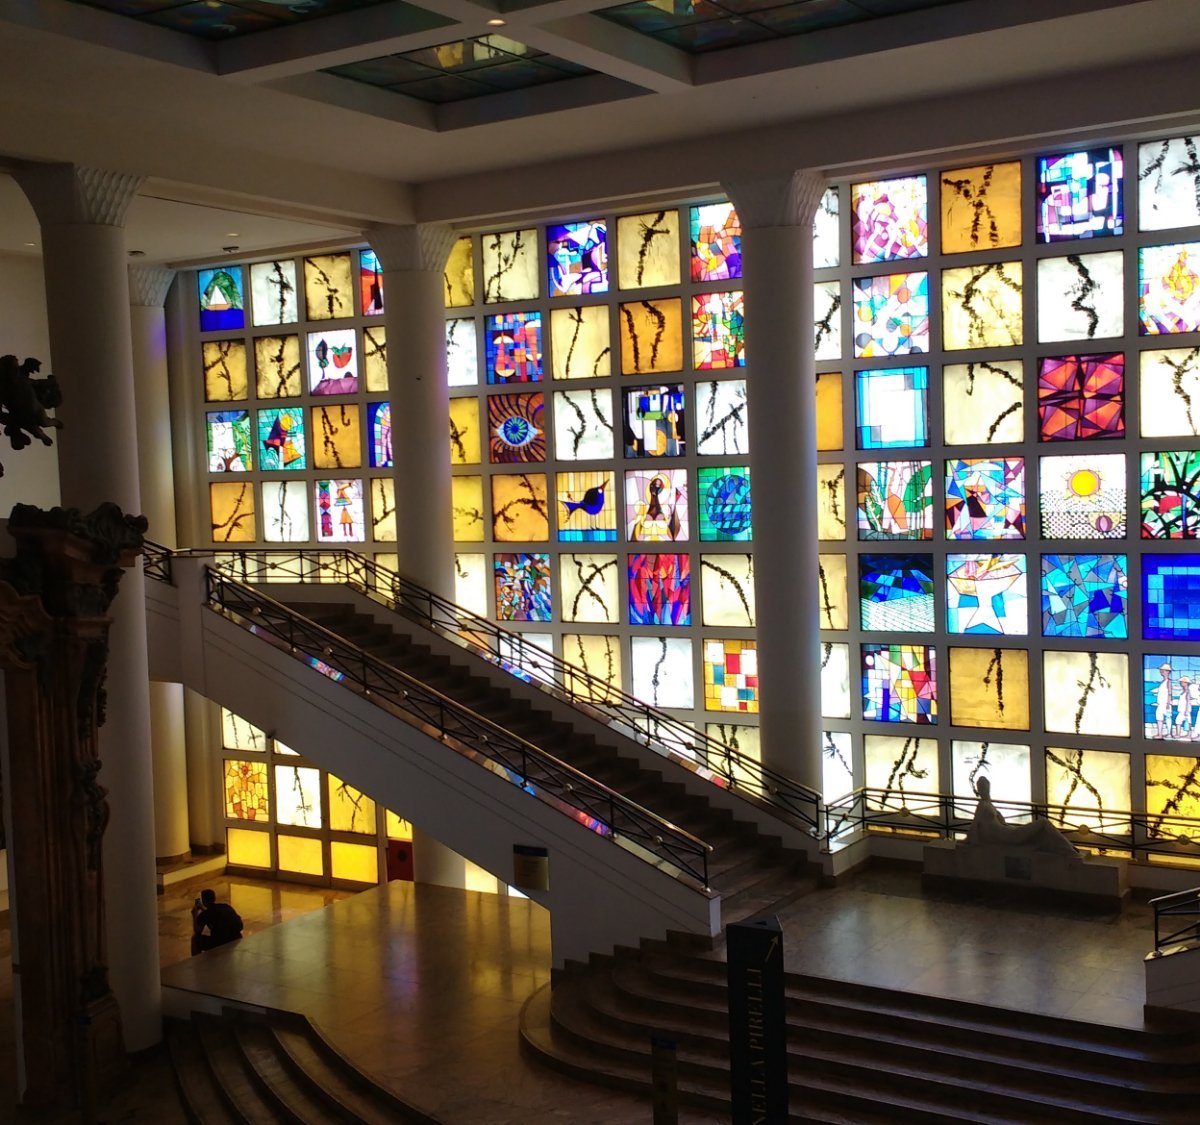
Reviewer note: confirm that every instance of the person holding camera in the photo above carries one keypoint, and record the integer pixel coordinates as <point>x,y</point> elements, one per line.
<point>223,923</point>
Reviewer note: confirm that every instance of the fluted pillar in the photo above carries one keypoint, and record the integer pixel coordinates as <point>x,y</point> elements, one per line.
<point>82,214</point>
<point>777,215</point>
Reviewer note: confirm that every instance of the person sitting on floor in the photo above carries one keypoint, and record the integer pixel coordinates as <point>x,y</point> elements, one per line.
<point>223,923</point>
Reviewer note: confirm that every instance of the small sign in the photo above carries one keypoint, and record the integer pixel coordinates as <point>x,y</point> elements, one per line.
<point>758,1083</point>
<point>531,868</point>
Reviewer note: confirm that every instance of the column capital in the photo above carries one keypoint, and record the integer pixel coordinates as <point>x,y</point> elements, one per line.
<point>63,194</point>
<point>148,285</point>
<point>412,246</point>
<point>789,200</point>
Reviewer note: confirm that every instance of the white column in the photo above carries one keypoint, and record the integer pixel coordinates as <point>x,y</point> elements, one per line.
<point>413,260</point>
<point>82,214</point>
<point>777,215</point>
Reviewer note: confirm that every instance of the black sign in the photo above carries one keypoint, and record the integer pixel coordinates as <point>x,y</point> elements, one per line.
<point>758,1084</point>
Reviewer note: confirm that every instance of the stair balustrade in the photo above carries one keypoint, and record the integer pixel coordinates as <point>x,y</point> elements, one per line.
<point>1182,904</point>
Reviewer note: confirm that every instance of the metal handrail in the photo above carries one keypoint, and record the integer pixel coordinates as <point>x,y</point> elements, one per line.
<point>1181,904</point>
<point>599,808</point>
<point>656,729</point>
<point>156,561</point>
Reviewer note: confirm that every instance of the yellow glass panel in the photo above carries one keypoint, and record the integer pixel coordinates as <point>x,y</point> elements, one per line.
<point>328,286</point>
<point>744,741</point>
<point>459,275</point>
<point>580,343</point>
<point>374,358</point>
<point>648,249</point>
<point>511,266</point>
<point>388,561</point>
<point>1172,789</point>
<point>989,687</point>
<point>383,509</point>
<point>246,796</point>
<point>349,809</point>
<point>479,880</point>
<point>981,306</point>
<point>277,366</point>
<point>224,370</point>
<point>981,207</point>
<point>600,657</point>
<point>831,501</point>
<point>835,610</point>
<point>519,508</point>
<point>246,848</point>
<point>467,501</point>
<point>356,863</point>
<point>464,431</point>
<point>300,854</point>
<point>1091,784</point>
<point>232,512</point>
<point>336,436</point>
<point>237,734</point>
<point>829,410</point>
<point>651,336</point>
<point>397,827</point>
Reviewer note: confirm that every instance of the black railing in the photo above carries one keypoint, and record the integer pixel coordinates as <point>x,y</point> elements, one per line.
<point>599,699</point>
<point>539,773</point>
<point>156,561</point>
<point>1182,904</point>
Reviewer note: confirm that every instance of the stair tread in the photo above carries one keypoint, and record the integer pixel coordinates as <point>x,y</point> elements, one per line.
<point>230,1072</point>
<point>301,1099</point>
<point>202,1101</point>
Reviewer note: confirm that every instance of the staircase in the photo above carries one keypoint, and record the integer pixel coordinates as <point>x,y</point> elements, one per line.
<point>752,871</point>
<point>858,1053</point>
<point>241,1068</point>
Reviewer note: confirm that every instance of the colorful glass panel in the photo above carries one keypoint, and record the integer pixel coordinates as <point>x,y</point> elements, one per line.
<point>985,498</point>
<point>277,366</point>
<point>514,347</point>
<point>981,207</point>
<point>891,220</point>
<point>1085,596</point>
<point>648,249</point>
<point>577,257</point>
<point>989,687</point>
<point>1171,696</point>
<point>896,593</point>
<point>340,517</point>
<point>716,233</point>
<point>1081,297</point>
<point>1081,397</point>
<point>465,447</point>
<point>379,422</point>
<point>895,500</point>
<point>660,589</point>
<point>224,363</point>
<point>985,595</point>
<point>510,266</point>
<point>651,336</point>
<point>1170,386</point>
<point>893,407</point>
<point>522,583</point>
<point>1171,597</point>
<point>285,511</point>
<point>656,505</point>
<point>370,283</point>
<point>1171,495</point>
<point>655,421</point>
<point>1169,289</point>
<point>1080,194</point>
<point>1169,183</point>
<point>246,794</point>
<point>661,671</point>
<point>232,510</point>
<point>580,342</point>
<point>590,590</point>
<point>718,331</point>
<point>281,439</point>
<point>1083,497</point>
<point>727,590</point>
<point>516,429</point>
<point>462,360</point>
<point>328,286</point>
<point>1086,693</point>
<point>724,503</point>
<point>983,402</point>
<point>229,447</point>
<point>899,683</point>
<point>583,425</point>
<point>587,503</point>
<point>891,315</point>
<point>983,306</point>
<point>731,676</point>
<point>520,508</point>
<point>336,436</point>
<point>333,362</point>
<point>222,300</point>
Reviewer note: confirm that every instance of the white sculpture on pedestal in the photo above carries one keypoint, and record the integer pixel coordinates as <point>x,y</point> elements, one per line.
<point>990,827</point>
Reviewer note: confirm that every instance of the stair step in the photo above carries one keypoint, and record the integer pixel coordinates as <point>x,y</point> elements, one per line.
<point>296,1098</point>
<point>202,1101</point>
<point>242,1094</point>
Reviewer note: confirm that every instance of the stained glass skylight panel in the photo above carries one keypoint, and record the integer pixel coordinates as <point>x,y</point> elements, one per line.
<point>655,421</point>
<point>374,357</point>
<point>328,287</point>
<point>230,20</point>
<point>465,440</point>
<point>651,336</point>
<point>661,671</point>
<point>1170,392</point>
<point>277,366</point>
<point>520,508</point>
<point>731,676</point>
<point>983,402</point>
<point>827,231</point>
<point>577,258</point>
<point>466,509</point>
<point>1083,497</point>
<point>831,502</point>
<point>580,343</point>
<point>510,266</point>
<point>727,590</point>
<point>648,249</point>
<point>1091,784</point>
<point>1085,595</point>
<point>1006,765</point>
<point>224,363</point>
<point>1081,397</point>
<point>656,506</point>
<point>1169,289</point>
<point>716,240</point>
<point>724,503</point>
<point>273,292</point>
<point>1080,194</point>
<point>587,506</point>
<point>370,283</point>
<point>660,591</point>
<point>383,509</point>
<point>1171,597</point>
<point>589,586</point>
<point>830,425</point>
<point>892,406</point>
<point>462,362</point>
<point>1171,696</point>
<point>981,207</point>
<point>1172,790</point>
<point>333,362</point>
<point>986,595</point>
<point>298,796</point>
<point>982,306</point>
<point>522,583</point>
<point>989,687</point>
<point>890,220</point>
<point>833,594</point>
<point>895,500</point>
<point>222,299</point>
<point>1169,183</point>
<point>281,439</point>
<point>1170,488</point>
<point>379,423</point>
<point>899,683</point>
<point>470,581</point>
<point>458,275</point>
<point>1086,693</point>
<point>835,680</point>
<point>514,347</point>
<point>901,769</point>
<point>891,315</point>
<point>985,498</point>
<point>827,320</point>
<point>583,425</point>
<point>232,508</point>
<point>718,331</point>
<point>285,506</point>
<point>516,428</point>
<point>238,734</point>
<point>336,436</point>
<point>896,593</point>
<point>340,516</point>
<point>229,449</point>
<point>1081,297</point>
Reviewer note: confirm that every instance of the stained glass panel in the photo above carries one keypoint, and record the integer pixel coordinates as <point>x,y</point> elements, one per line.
<point>1086,693</point>
<point>383,509</point>
<point>298,796</point>
<point>655,421</point>
<point>514,347</point>
<point>229,449</point>
<point>1169,183</point>
<point>374,358</point>
<point>340,516</point>
<point>731,676</point>
<point>893,407</point>
<point>1081,397</point>
<point>590,588</point>
<point>1006,765</point>
<point>577,258</point>
<point>471,582</point>
<point>232,512</point>
<point>1081,297</point>
<point>827,228</point>
<point>1171,696</point>
<point>336,436</point>
<point>1171,495</point>
<point>224,370</point>
<point>1170,404</point>
<point>989,687</point>
<point>285,511</point>
<point>660,590</point>
<point>656,505</point>
<point>462,357</point>
<point>370,283</point>
<point>724,503</point>
<point>1090,784</point>
<point>1169,288</point>
<point>246,796</point>
<point>353,863</point>
<point>896,593</point>
<point>651,336</point>
<point>273,292</point>
<point>580,342</point>
<point>333,362</point>
<point>1080,194</point>
<point>895,500</point>
<point>900,768</point>
<point>827,320</point>
<point>985,498</point>
<point>831,502</point>
<point>983,402</point>
<point>1083,497</point>
<point>465,447</point>
<point>829,411</point>
<point>899,683</point>
<point>718,331</point>
<point>516,429</point>
<point>466,503</point>
<point>661,671</point>
<point>328,286</point>
<point>222,303</point>
<point>1172,789</point>
<point>379,422</point>
<point>981,207</point>
<point>248,847</point>
<point>583,425</point>
<point>891,220</point>
<point>716,233</point>
<point>520,508</point>
<point>238,734</point>
<point>741,740</point>
<point>522,587</point>
<point>600,658</point>
<point>648,249</point>
<point>510,266</point>
<point>587,507</point>
<point>837,764</point>
<point>458,278</point>
<point>727,590</point>
<point>833,592</point>
<point>1085,596</point>
<point>982,306</point>
<point>835,680</point>
<point>891,315</point>
<point>277,366</point>
<point>1171,597</point>
<point>281,439</point>
<point>985,595</point>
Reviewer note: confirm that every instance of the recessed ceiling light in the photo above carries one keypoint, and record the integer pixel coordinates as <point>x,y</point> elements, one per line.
<point>497,22</point>
<point>137,253</point>
<point>31,244</point>
<point>231,234</point>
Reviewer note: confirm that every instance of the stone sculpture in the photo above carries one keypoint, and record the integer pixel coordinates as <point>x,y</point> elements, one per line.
<point>24,401</point>
<point>990,827</point>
